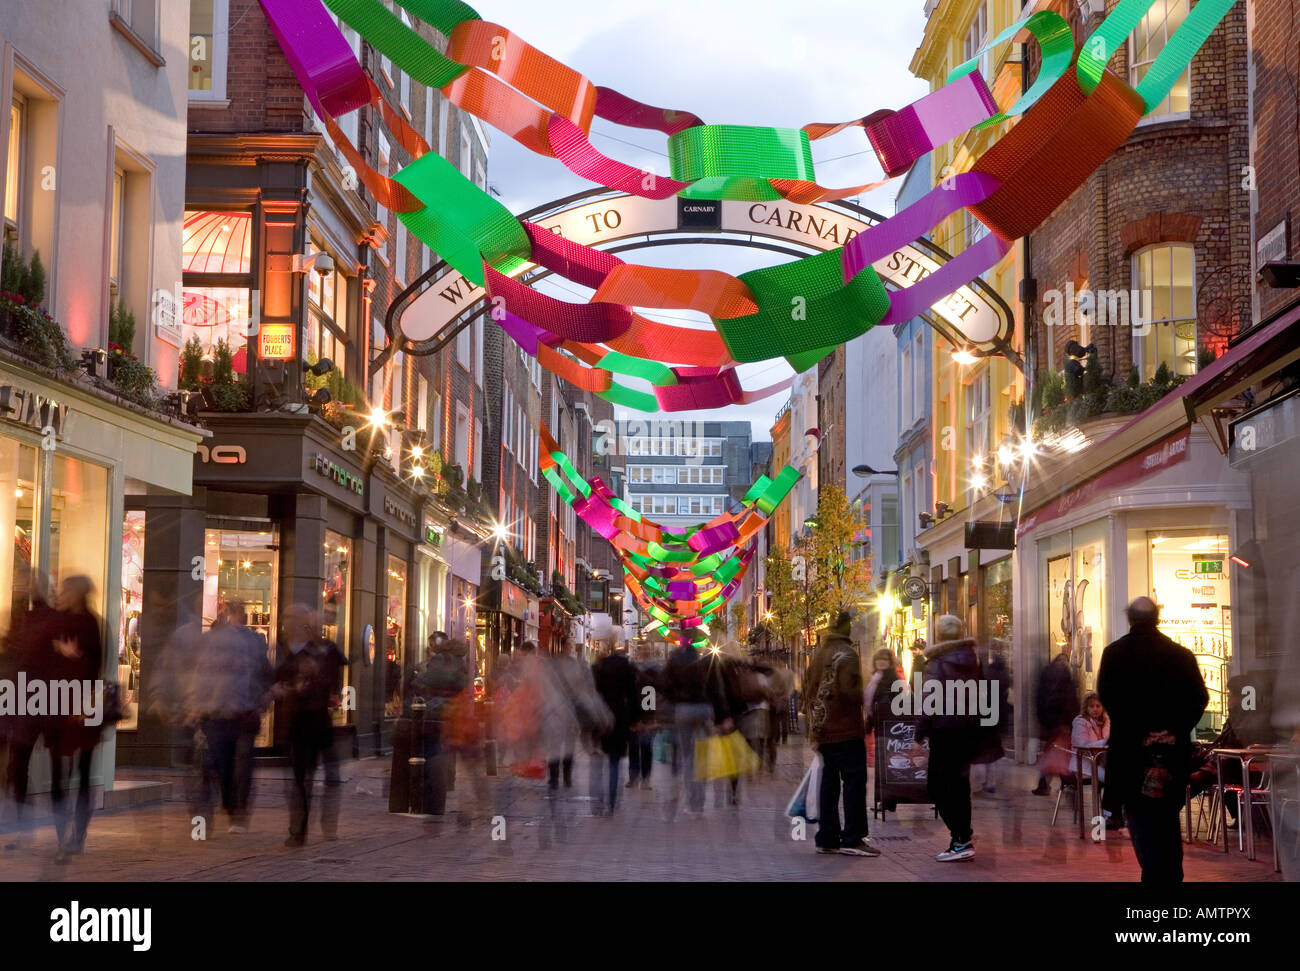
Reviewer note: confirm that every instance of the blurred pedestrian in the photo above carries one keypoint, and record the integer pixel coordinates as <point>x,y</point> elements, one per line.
<point>232,690</point>
<point>616,681</point>
<point>1057,704</point>
<point>439,681</point>
<point>1155,694</point>
<point>781,685</point>
<point>686,678</point>
<point>646,720</point>
<point>998,675</point>
<point>837,727</point>
<point>954,735</point>
<point>886,674</point>
<point>309,680</point>
<point>78,656</point>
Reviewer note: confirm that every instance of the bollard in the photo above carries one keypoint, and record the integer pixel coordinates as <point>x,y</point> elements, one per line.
<point>399,792</point>
<point>417,761</point>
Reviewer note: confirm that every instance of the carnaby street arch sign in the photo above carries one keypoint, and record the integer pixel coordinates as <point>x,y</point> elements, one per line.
<point>428,314</point>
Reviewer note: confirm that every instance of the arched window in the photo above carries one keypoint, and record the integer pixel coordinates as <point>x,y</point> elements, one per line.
<point>1146,43</point>
<point>1163,311</point>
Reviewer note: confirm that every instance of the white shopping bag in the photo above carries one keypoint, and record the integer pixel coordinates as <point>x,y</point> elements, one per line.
<point>806,799</point>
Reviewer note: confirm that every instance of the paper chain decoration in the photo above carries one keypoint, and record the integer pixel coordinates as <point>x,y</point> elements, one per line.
<point>800,310</point>
<point>680,580</point>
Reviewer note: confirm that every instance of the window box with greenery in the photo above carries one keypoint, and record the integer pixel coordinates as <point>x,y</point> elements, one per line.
<point>221,388</point>
<point>1063,403</point>
<point>130,377</point>
<point>24,323</point>
<point>564,595</point>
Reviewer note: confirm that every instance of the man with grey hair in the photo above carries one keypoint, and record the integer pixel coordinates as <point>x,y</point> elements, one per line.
<point>1153,690</point>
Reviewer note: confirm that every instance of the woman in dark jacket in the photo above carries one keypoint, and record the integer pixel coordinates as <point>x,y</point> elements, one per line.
<point>78,655</point>
<point>616,682</point>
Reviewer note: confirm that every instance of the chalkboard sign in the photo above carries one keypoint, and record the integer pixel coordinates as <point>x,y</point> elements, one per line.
<point>901,774</point>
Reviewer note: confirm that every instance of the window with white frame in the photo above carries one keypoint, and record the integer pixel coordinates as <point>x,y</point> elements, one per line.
<point>1168,273</point>
<point>116,233</point>
<point>142,17</point>
<point>463,348</point>
<point>435,409</point>
<point>422,403</point>
<point>1148,40</point>
<point>466,157</point>
<point>478,352</point>
<point>919,389</point>
<point>15,166</point>
<point>478,450</point>
<point>209,33</point>
<point>905,398</point>
<point>461,450</point>
<point>909,514</point>
<point>381,213</point>
<point>399,268</point>
<point>701,475</point>
<point>326,325</point>
<point>976,37</point>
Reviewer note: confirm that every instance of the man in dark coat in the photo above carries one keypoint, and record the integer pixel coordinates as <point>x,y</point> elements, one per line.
<point>1153,690</point>
<point>837,726</point>
<point>310,681</point>
<point>954,734</point>
<point>616,681</point>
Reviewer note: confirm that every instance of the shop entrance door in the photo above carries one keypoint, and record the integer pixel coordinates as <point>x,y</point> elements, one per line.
<point>244,565</point>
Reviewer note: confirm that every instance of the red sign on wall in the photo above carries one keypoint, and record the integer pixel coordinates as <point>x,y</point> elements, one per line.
<point>275,342</point>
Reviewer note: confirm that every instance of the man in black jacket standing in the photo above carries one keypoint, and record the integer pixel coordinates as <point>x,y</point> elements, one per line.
<point>1153,689</point>
<point>953,734</point>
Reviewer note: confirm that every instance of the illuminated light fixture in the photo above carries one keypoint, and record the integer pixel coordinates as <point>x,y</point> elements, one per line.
<point>964,357</point>
<point>977,462</point>
<point>248,564</point>
<point>1239,561</point>
<point>1004,455</point>
<point>417,472</point>
<point>18,493</point>
<point>500,533</point>
<point>468,602</point>
<point>1027,449</point>
<point>767,615</point>
<point>417,452</point>
<point>378,417</point>
<point>979,482</point>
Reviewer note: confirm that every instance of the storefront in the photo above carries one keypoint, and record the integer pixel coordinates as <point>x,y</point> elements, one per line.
<point>464,561</point>
<point>289,516</point>
<point>434,574</point>
<point>1161,523</point>
<point>71,462</point>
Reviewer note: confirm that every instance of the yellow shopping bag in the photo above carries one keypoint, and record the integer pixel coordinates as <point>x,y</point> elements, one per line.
<point>723,757</point>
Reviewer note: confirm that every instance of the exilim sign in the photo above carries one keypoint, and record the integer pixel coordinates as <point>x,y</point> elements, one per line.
<point>24,407</point>
<point>339,474</point>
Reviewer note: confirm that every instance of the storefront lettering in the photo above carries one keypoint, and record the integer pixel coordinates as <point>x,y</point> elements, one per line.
<point>339,474</point>
<point>23,407</point>
<point>222,454</point>
<point>398,512</point>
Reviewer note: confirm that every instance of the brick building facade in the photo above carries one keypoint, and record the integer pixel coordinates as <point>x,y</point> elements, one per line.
<point>1174,194</point>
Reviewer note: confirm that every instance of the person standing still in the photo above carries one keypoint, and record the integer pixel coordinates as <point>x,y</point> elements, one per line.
<point>954,735</point>
<point>837,727</point>
<point>1155,694</point>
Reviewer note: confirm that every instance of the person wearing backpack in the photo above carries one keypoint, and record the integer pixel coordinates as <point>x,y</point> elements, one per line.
<point>837,727</point>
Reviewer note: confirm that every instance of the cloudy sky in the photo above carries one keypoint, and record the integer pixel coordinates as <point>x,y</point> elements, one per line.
<point>745,62</point>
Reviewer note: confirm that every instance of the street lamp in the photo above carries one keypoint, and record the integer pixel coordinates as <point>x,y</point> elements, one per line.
<point>863,471</point>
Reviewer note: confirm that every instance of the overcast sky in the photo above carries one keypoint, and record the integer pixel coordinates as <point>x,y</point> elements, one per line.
<point>746,62</point>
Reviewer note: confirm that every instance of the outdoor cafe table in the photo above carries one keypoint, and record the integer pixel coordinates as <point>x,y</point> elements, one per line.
<point>1245,815</point>
<point>1095,754</point>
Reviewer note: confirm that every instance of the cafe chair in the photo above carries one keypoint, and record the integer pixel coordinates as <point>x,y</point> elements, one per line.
<point>1260,800</point>
<point>1068,782</point>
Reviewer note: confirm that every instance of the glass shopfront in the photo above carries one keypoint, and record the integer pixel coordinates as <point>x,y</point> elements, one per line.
<point>1188,574</point>
<point>243,565</point>
<point>1073,568</point>
<point>132,595</point>
<point>996,601</point>
<point>334,604</point>
<point>394,637</point>
<point>17,519</point>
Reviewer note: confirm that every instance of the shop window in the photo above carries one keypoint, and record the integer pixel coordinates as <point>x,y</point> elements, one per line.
<point>78,524</point>
<point>335,598</point>
<point>243,565</point>
<point>132,605</point>
<point>1168,273</point>
<point>18,520</point>
<point>394,637</point>
<point>209,33</point>
<point>1148,40</point>
<point>996,598</point>
<point>1189,577</point>
<point>1077,598</point>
